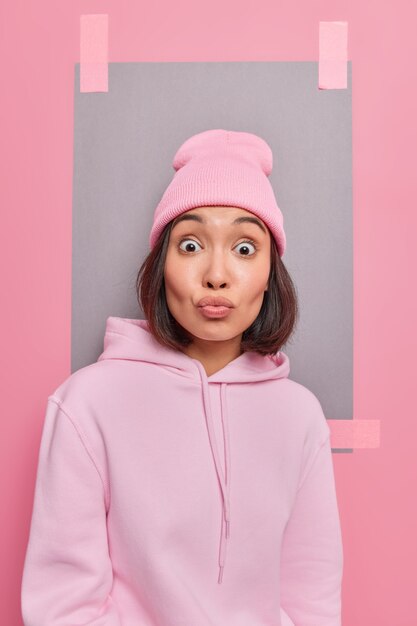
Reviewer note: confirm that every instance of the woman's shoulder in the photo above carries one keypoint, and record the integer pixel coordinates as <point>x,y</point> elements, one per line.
<point>297,392</point>
<point>85,379</point>
<point>97,378</point>
<point>306,407</point>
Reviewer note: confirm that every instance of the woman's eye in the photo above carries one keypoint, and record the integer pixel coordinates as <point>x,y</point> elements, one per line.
<point>246,245</point>
<point>190,245</point>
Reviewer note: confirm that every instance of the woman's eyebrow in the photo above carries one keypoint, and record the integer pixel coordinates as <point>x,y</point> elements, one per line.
<point>238,220</point>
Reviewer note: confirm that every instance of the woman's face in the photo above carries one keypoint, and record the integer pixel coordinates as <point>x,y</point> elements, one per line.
<point>210,254</point>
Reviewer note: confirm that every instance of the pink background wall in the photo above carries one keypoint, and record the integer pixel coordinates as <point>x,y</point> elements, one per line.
<point>39,45</point>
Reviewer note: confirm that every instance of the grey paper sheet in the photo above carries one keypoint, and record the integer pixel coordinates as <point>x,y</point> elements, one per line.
<point>124,142</point>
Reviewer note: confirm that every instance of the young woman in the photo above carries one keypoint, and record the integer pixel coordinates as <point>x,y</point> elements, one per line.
<point>184,479</point>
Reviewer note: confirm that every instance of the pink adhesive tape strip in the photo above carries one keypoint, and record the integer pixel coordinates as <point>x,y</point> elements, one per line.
<point>94,52</point>
<point>355,433</point>
<point>333,55</point>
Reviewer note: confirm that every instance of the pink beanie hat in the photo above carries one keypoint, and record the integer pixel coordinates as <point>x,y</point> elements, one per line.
<point>221,168</point>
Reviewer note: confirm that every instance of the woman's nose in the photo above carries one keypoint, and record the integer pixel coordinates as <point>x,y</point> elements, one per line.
<point>216,272</point>
<point>214,285</point>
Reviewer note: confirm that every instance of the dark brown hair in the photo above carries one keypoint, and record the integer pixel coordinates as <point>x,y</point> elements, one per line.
<point>267,334</point>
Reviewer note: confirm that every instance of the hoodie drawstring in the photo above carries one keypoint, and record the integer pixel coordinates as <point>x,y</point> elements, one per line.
<point>224,479</point>
<point>226,520</point>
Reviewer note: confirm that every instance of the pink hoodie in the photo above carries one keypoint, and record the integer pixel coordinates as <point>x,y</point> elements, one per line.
<point>166,497</point>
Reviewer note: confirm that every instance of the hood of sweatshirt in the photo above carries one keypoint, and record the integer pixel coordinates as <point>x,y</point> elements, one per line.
<point>131,339</point>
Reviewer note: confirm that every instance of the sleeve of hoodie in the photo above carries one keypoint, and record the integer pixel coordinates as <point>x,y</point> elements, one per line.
<point>67,575</point>
<point>312,549</point>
